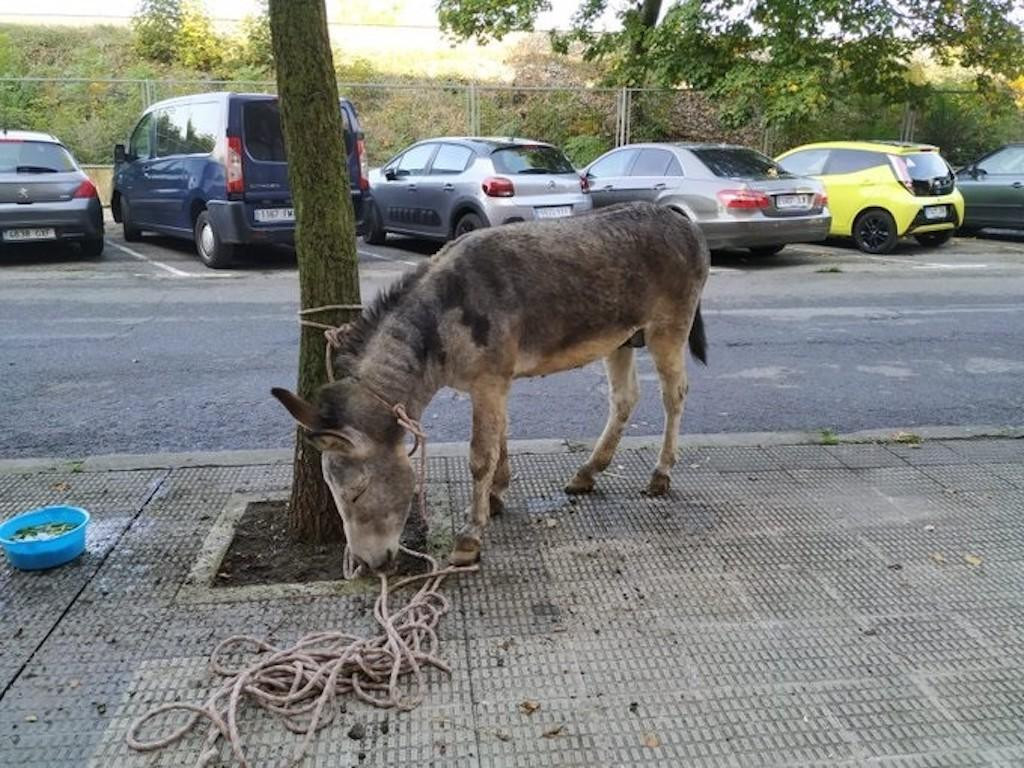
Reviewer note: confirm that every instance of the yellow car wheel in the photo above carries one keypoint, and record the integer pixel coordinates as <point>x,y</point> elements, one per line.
<point>874,231</point>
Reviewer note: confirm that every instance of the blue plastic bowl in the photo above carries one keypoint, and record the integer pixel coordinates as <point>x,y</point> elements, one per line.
<point>36,555</point>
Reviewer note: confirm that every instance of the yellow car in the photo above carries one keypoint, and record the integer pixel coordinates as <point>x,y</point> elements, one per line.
<point>881,191</point>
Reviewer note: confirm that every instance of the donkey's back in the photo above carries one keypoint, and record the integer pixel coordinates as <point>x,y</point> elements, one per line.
<point>539,297</point>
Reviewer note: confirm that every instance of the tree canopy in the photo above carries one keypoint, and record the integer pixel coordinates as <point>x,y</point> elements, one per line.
<point>774,60</point>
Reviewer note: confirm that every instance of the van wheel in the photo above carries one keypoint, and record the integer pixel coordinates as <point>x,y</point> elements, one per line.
<point>132,234</point>
<point>467,223</point>
<point>92,249</point>
<point>874,231</point>
<point>214,253</point>
<point>375,232</point>
<point>767,250</point>
<point>934,239</point>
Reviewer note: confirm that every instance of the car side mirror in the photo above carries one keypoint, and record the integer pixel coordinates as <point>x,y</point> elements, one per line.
<point>390,174</point>
<point>120,155</point>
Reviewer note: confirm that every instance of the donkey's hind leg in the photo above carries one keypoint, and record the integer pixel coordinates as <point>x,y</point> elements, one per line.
<point>623,393</point>
<point>666,346</point>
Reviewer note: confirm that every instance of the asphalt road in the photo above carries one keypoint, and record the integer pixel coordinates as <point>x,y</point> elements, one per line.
<point>146,350</point>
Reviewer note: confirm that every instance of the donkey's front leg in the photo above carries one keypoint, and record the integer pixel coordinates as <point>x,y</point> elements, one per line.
<point>489,402</point>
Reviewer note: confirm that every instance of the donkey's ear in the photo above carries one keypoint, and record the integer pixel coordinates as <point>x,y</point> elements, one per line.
<point>348,441</point>
<point>301,411</point>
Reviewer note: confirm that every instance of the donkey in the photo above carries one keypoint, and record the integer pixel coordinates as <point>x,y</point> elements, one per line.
<point>519,300</point>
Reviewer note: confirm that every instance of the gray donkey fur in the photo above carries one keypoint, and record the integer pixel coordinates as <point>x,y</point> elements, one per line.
<point>499,304</point>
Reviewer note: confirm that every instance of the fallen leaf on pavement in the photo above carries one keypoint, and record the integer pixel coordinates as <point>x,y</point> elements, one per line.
<point>550,522</point>
<point>552,733</point>
<point>529,706</point>
<point>62,486</point>
<point>651,741</point>
<point>938,557</point>
<point>972,560</point>
<point>503,736</point>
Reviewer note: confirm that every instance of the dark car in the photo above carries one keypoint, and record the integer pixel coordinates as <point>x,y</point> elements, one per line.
<point>738,197</point>
<point>45,196</point>
<point>212,168</point>
<point>993,189</point>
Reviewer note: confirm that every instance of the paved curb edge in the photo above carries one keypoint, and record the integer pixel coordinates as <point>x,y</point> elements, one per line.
<point>121,462</point>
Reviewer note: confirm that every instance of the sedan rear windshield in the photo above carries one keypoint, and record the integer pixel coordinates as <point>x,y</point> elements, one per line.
<point>18,156</point>
<point>528,159</point>
<point>739,162</point>
<point>923,166</point>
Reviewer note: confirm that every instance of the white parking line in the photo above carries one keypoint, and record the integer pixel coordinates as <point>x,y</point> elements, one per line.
<point>141,257</point>
<point>369,255</point>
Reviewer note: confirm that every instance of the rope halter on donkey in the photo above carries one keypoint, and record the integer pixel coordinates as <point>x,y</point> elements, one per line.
<point>333,335</point>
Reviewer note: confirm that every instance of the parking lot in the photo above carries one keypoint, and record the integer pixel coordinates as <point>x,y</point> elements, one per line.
<point>146,349</point>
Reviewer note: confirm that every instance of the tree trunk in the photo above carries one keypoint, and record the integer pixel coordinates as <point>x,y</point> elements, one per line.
<point>325,226</point>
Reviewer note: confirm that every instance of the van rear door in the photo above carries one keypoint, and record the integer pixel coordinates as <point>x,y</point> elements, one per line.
<point>264,161</point>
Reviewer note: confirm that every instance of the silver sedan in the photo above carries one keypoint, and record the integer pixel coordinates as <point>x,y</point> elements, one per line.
<point>442,188</point>
<point>45,196</point>
<point>738,197</point>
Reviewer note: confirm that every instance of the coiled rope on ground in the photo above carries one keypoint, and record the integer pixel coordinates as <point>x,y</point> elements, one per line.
<point>300,684</point>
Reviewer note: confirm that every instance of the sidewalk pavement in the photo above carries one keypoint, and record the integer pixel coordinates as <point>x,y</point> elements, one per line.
<point>788,605</point>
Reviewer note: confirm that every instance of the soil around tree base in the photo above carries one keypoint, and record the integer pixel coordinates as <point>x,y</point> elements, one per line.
<point>262,552</point>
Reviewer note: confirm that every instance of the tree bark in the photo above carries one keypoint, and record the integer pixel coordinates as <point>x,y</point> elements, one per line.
<point>325,226</point>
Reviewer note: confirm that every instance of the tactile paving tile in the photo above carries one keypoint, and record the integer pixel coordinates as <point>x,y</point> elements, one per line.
<point>926,452</point>
<point>966,477</point>
<point>885,717</point>
<point>804,456</point>
<point>987,703</point>
<point>720,728</point>
<point>757,616</point>
<point>985,451</point>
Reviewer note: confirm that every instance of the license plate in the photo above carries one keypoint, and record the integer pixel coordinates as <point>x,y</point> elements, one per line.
<point>792,201</point>
<point>33,233</point>
<point>935,212</point>
<point>274,215</point>
<point>554,211</point>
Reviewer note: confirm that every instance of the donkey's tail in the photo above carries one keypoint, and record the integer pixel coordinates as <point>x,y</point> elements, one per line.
<point>698,341</point>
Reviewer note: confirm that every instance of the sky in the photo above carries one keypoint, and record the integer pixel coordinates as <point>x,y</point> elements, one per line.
<point>415,12</point>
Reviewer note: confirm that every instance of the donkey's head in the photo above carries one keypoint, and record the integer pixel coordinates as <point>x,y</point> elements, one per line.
<point>364,463</point>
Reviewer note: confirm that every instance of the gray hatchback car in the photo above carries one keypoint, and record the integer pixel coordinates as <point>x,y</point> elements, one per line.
<point>738,197</point>
<point>442,188</point>
<point>45,196</point>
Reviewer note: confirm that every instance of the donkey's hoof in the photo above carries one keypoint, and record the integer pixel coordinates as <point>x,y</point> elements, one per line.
<point>497,505</point>
<point>467,550</point>
<point>580,483</point>
<point>659,484</point>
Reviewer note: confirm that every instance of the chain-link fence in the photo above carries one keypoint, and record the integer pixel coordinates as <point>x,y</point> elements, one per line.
<point>91,115</point>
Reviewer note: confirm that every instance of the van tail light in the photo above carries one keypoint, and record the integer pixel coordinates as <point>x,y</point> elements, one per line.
<point>584,184</point>
<point>899,169</point>
<point>498,186</point>
<point>233,166</point>
<point>744,199</point>
<point>364,176</point>
<point>86,189</point>
<point>821,199</point>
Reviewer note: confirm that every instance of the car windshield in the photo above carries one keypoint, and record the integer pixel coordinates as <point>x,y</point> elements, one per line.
<point>531,159</point>
<point>923,166</point>
<point>739,162</point>
<point>18,156</point>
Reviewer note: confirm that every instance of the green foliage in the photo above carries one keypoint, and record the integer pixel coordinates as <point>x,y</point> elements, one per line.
<point>156,25</point>
<point>196,43</point>
<point>773,61</point>
<point>584,149</point>
<point>965,124</point>
<point>258,52</point>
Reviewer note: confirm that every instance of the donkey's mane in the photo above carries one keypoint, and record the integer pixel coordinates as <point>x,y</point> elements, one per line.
<point>355,339</point>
